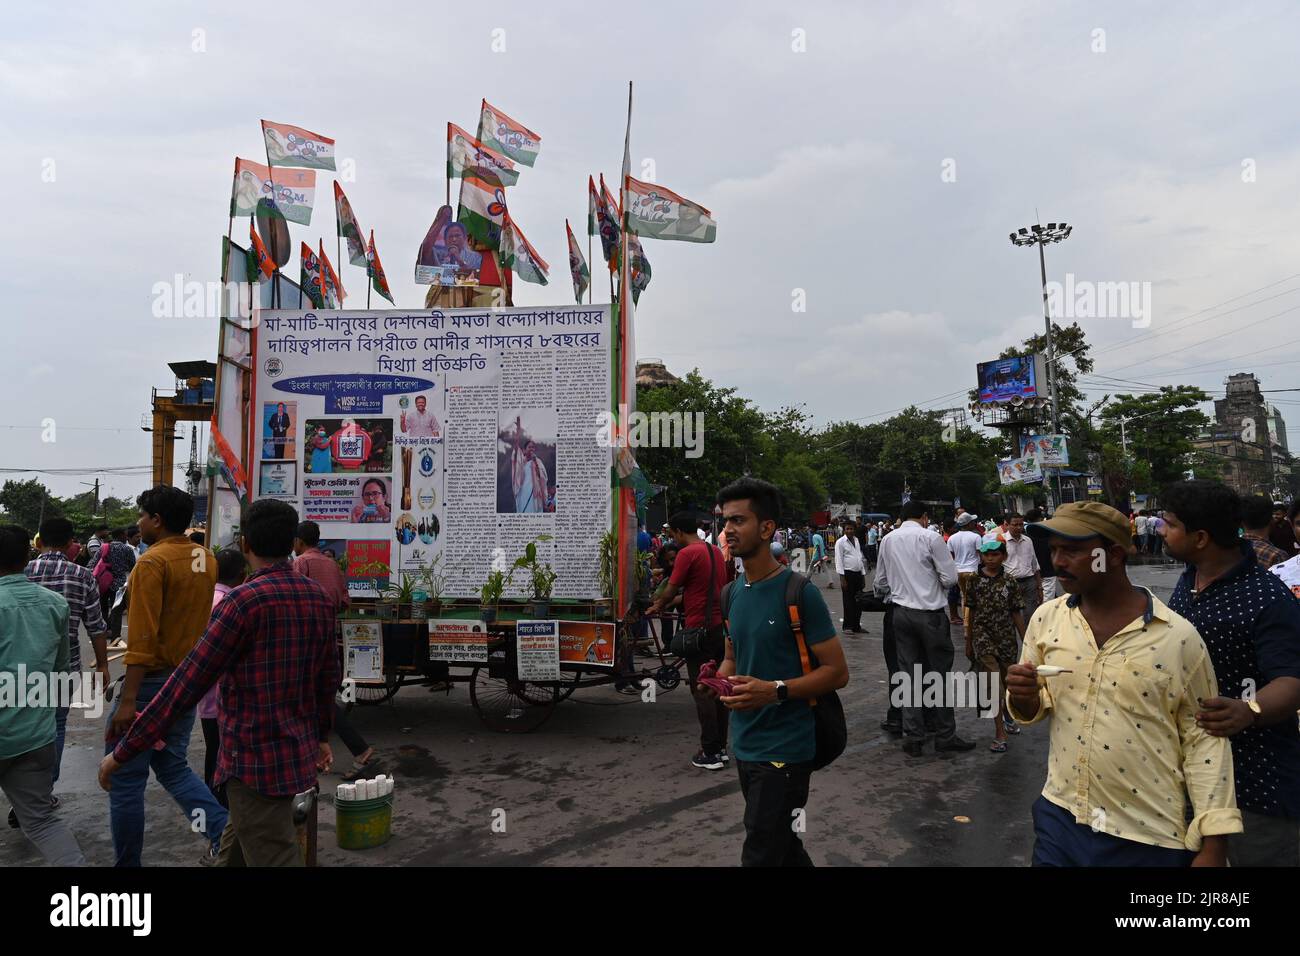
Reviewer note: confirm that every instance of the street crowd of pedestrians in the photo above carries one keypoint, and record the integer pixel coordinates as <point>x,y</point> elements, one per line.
<point>1173,735</point>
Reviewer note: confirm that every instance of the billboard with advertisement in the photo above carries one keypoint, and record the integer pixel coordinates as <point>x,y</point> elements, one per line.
<point>1012,470</point>
<point>1016,378</point>
<point>1051,451</point>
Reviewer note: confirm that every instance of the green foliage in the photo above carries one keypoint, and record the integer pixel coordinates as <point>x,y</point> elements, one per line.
<point>1160,430</point>
<point>25,502</point>
<point>541,576</point>
<point>400,593</point>
<point>494,587</point>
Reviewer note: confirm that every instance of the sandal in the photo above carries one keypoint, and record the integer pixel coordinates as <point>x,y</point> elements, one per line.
<point>998,746</point>
<point>364,771</point>
<point>1011,728</point>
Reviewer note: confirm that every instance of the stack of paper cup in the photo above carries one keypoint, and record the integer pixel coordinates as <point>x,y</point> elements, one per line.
<point>372,789</point>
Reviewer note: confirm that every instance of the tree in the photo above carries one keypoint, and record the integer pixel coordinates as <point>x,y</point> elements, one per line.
<point>1160,428</point>
<point>27,503</point>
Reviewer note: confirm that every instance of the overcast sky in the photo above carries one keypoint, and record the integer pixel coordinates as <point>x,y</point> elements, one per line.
<point>879,170</point>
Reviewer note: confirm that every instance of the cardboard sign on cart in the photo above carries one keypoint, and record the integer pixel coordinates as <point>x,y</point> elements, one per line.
<point>458,642</point>
<point>538,650</point>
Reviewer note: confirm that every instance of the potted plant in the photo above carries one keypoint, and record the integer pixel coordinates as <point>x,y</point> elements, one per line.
<point>541,577</point>
<point>434,580</point>
<point>491,592</point>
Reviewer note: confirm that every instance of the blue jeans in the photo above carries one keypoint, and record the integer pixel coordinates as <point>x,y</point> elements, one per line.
<point>1059,840</point>
<point>126,799</point>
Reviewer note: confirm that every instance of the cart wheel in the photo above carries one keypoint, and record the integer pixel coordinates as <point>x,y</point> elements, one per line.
<point>511,706</point>
<point>540,694</point>
<point>667,677</point>
<point>367,695</point>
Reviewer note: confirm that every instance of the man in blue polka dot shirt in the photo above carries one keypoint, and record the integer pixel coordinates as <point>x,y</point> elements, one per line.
<point>1250,623</point>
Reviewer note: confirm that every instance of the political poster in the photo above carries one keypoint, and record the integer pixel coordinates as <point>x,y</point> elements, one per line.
<point>537,650</point>
<point>1012,470</point>
<point>451,432</point>
<point>1050,450</point>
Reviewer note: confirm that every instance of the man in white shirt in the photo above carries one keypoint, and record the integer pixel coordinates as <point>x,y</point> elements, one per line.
<point>917,571</point>
<point>964,548</point>
<point>1140,526</point>
<point>420,423</point>
<point>1022,565</point>
<point>852,573</point>
<point>873,539</point>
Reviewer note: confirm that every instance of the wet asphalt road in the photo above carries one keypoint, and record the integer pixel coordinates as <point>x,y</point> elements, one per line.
<point>607,781</point>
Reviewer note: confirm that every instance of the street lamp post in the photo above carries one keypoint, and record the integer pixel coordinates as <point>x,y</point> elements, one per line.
<point>1040,235</point>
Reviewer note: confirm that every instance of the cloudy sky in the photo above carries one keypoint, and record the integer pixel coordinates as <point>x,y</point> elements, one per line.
<point>874,156</point>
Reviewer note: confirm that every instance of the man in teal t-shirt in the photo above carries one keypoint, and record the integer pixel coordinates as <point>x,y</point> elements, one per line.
<point>772,728</point>
<point>33,648</point>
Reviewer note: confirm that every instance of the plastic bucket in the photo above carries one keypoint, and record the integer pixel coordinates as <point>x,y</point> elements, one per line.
<point>362,824</point>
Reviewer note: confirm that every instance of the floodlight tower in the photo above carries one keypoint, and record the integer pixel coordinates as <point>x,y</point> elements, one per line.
<point>1040,235</point>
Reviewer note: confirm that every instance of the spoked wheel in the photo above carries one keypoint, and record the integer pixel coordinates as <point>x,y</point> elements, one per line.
<point>667,677</point>
<point>511,706</point>
<point>541,693</point>
<point>368,695</point>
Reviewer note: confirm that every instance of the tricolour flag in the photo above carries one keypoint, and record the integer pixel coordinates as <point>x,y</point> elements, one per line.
<point>607,217</point>
<point>334,292</point>
<point>662,214</point>
<point>348,227</point>
<point>498,131</point>
<point>577,265</point>
<point>228,461</point>
<point>375,269</point>
<point>593,204</point>
<point>640,266</point>
<point>518,253</point>
<point>466,156</point>
<point>294,190</point>
<point>482,210</point>
<point>257,251</point>
<point>294,146</point>
<point>309,278</point>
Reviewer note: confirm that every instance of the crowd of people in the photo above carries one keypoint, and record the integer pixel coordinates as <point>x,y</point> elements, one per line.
<point>1180,747</point>
<point>243,639</point>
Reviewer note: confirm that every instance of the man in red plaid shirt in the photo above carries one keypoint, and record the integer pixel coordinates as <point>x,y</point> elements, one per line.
<point>271,646</point>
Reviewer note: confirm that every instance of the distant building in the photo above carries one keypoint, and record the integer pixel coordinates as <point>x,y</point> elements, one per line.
<point>652,373</point>
<point>1249,438</point>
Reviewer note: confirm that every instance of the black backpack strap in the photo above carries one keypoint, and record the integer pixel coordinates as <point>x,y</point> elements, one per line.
<point>726,607</point>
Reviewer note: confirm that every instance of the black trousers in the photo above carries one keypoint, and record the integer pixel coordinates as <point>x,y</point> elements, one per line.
<point>712,713</point>
<point>890,647</point>
<point>772,795</point>
<point>852,613</point>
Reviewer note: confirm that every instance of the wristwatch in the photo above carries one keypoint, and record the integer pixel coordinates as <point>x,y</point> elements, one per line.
<point>782,692</point>
<point>1254,706</point>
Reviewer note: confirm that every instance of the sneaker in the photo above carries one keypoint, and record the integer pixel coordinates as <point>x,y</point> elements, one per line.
<point>705,761</point>
<point>726,757</point>
<point>954,744</point>
<point>210,857</point>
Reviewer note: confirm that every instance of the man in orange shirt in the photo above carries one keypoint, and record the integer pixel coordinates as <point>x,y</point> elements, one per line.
<point>171,598</point>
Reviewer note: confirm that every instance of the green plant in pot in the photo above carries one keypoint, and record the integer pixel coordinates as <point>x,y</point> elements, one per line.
<point>401,595</point>
<point>608,574</point>
<point>541,577</point>
<point>491,592</point>
<point>434,578</point>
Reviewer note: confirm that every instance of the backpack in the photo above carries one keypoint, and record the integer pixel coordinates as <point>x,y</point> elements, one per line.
<point>103,571</point>
<point>831,730</point>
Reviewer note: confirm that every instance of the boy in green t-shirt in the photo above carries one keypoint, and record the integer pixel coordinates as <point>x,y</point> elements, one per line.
<point>994,618</point>
<point>772,726</point>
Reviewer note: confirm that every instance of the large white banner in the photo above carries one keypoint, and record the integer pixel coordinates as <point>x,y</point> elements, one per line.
<point>464,432</point>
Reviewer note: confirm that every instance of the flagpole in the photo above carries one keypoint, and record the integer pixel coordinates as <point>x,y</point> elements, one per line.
<point>591,286</point>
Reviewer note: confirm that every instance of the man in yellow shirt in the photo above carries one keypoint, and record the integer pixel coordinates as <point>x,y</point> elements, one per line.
<point>1127,755</point>
<point>171,599</point>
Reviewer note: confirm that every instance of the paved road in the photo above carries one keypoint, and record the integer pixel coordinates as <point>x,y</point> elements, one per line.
<point>607,782</point>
